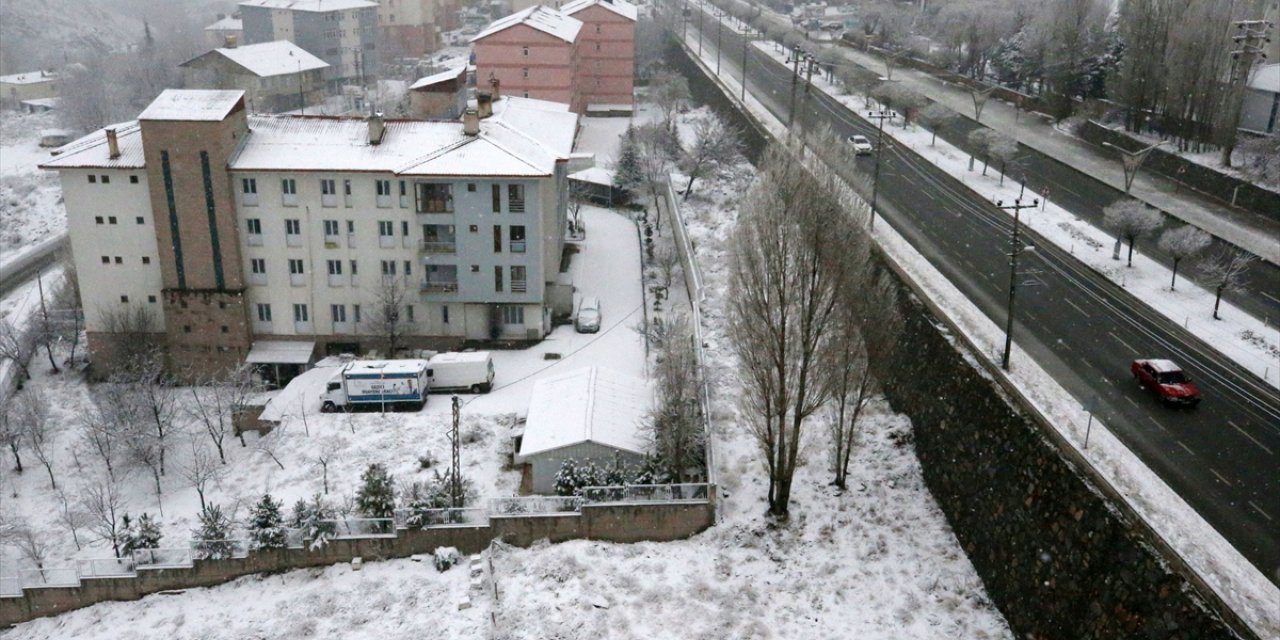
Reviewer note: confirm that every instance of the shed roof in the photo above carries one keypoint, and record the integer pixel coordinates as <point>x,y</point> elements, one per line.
<point>30,77</point>
<point>592,404</point>
<point>1266,78</point>
<point>280,352</point>
<point>620,7</point>
<point>538,17</point>
<point>268,59</point>
<point>437,78</point>
<point>91,151</point>
<point>192,105</point>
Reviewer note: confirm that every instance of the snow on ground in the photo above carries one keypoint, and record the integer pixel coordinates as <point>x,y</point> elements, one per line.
<point>30,199</point>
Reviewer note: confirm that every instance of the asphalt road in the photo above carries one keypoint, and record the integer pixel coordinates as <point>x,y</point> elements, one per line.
<point>1221,458</point>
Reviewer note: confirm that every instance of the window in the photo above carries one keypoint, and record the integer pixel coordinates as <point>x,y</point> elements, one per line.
<point>404,228</point>
<point>444,314</point>
<point>524,72</point>
<point>519,279</point>
<point>354,269</point>
<point>133,179</point>
<point>141,220</point>
<point>146,259</point>
<point>264,312</point>
<point>258,265</point>
<point>338,312</point>
<point>289,191</point>
<point>224,328</point>
<point>386,228</point>
<point>295,266</point>
<point>106,179</point>
<point>475,228</point>
<point>328,188</point>
<point>151,299</point>
<point>471,187</point>
<point>512,314</point>
<point>515,198</point>
<point>351,226</point>
<point>355,312</point>
<point>124,299</point>
<point>119,260</point>
<point>597,28</point>
<point>97,219</point>
<point>186,328</point>
<point>300,313</point>
<point>346,193</point>
<point>434,197</point>
<point>516,234</point>
<point>497,238</point>
<point>408,313</point>
<point>384,193</point>
<point>111,219</point>
<point>292,227</point>
<point>255,226</point>
<point>106,260</point>
<point>249,191</point>
<point>597,45</point>
<point>496,192</point>
<point>404,194</point>
<point>335,267</point>
<point>497,279</point>
<point>475,268</point>
<point>388,267</point>
<point>330,228</point>
<point>524,51</point>
<point>408,271</point>
<point>93,179</point>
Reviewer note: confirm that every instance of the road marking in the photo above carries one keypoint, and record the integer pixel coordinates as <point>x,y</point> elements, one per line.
<point>1130,401</point>
<point>1126,344</point>
<point>1251,439</point>
<point>1259,510</point>
<point>1073,306</point>
<point>1157,424</point>
<point>1186,448</point>
<point>1219,475</point>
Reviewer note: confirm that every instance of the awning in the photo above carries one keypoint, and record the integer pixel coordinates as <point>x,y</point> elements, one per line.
<point>280,352</point>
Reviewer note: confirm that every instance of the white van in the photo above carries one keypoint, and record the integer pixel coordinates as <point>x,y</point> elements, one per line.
<point>470,371</point>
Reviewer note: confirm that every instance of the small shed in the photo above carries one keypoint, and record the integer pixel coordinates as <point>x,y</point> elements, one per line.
<point>1260,111</point>
<point>279,361</point>
<point>588,415</point>
<point>441,96</point>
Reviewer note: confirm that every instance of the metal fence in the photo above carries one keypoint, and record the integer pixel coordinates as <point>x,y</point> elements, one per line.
<point>59,577</point>
<point>170,557</point>
<point>105,567</point>
<point>219,549</point>
<point>363,528</point>
<point>533,505</point>
<point>640,493</point>
<point>424,518</point>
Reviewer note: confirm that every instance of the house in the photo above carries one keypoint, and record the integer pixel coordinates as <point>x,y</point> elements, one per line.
<point>606,53</point>
<point>343,33</point>
<point>228,28</point>
<point>223,229</point>
<point>533,53</point>
<point>440,95</point>
<point>1260,111</point>
<point>414,28</point>
<point>32,85</point>
<point>591,414</point>
<point>274,76</point>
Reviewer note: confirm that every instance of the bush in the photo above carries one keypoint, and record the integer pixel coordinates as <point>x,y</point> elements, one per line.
<point>139,534</point>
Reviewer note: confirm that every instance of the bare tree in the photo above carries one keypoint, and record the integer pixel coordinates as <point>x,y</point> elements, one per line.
<point>15,345</point>
<point>155,395</point>
<point>39,432</point>
<point>937,117</point>
<point>1181,243</point>
<point>978,139</point>
<point>788,269</point>
<point>656,147</point>
<point>1262,159</point>
<point>1130,219</point>
<point>32,544</point>
<point>666,259</point>
<point>668,91</point>
<point>201,470</point>
<point>1002,148</point>
<point>46,332</point>
<point>330,450</point>
<point>1225,272</point>
<point>271,444</point>
<point>71,516</point>
<point>69,312</point>
<point>104,503</point>
<point>387,318</point>
<point>215,404</point>
<point>106,427</point>
<point>675,426</point>
<point>11,433</point>
<point>715,145</point>
<point>128,335</point>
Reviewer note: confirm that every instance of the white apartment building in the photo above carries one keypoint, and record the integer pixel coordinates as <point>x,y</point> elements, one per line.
<point>302,228</point>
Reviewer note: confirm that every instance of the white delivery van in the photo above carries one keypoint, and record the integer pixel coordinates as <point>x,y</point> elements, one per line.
<point>470,371</point>
<point>378,383</point>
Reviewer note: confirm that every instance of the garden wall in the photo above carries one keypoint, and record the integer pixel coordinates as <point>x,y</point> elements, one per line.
<point>658,522</point>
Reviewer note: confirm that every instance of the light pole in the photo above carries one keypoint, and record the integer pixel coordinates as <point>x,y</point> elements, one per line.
<point>719,30</point>
<point>1015,249</point>
<point>880,116</point>
<point>745,41</point>
<point>701,11</point>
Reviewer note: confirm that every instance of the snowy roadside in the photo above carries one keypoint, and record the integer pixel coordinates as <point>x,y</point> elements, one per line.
<point>1240,585</point>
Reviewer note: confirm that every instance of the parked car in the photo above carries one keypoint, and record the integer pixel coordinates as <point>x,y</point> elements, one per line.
<point>861,145</point>
<point>1167,380</point>
<point>588,318</point>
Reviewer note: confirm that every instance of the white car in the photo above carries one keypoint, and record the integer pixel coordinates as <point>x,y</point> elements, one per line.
<point>588,318</point>
<point>861,145</point>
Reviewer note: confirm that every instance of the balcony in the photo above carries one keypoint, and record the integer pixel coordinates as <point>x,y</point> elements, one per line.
<point>297,279</point>
<point>437,246</point>
<point>382,202</point>
<point>518,246</point>
<point>249,199</point>
<point>386,242</point>
<point>290,200</point>
<point>331,241</point>
<point>329,200</point>
<point>439,286</point>
<point>519,286</point>
<point>293,240</point>
<point>254,239</point>
<point>259,279</point>
<point>338,280</point>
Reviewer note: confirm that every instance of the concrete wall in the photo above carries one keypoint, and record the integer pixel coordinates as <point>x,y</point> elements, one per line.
<point>658,522</point>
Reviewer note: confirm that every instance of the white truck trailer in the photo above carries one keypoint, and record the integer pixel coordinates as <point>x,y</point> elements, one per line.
<point>470,371</point>
<point>378,383</point>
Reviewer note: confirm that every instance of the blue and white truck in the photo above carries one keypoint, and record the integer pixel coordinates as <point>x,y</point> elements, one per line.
<point>391,384</point>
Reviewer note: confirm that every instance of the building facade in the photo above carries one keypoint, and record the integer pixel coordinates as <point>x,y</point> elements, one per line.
<point>534,54</point>
<point>230,229</point>
<point>413,28</point>
<point>33,85</point>
<point>606,52</point>
<point>343,33</point>
<point>439,96</point>
<point>274,76</point>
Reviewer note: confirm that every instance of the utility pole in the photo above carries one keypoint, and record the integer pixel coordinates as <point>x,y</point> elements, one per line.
<point>701,11</point>
<point>1250,37</point>
<point>880,116</point>
<point>795,77</point>
<point>302,100</point>
<point>719,30</point>
<point>810,62</point>
<point>455,473</point>
<point>1015,249</point>
<point>745,41</point>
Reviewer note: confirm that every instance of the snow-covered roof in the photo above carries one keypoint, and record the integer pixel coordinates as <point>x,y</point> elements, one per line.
<point>538,17</point>
<point>436,78</point>
<point>524,138</point>
<point>594,175</point>
<point>451,357</point>
<point>229,23</point>
<point>590,404</point>
<point>1266,78</point>
<point>375,368</point>
<point>30,77</point>
<point>310,5</point>
<point>268,59</point>
<point>91,151</point>
<point>280,352</point>
<point>1164,366</point>
<point>192,105</point>
<point>620,7</point>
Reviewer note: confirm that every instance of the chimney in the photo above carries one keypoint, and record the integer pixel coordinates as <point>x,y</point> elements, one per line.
<point>471,122</point>
<point>222,16</point>
<point>230,40</point>
<point>377,128</point>
<point>113,144</point>
<point>484,103</point>
<point>494,82</point>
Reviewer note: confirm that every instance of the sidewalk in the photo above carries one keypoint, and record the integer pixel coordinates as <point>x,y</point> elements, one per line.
<point>1249,231</point>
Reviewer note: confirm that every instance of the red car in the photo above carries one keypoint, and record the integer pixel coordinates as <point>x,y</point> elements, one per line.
<point>1167,380</point>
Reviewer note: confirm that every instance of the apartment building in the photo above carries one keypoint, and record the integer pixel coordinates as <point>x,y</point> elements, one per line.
<point>413,28</point>
<point>343,33</point>
<point>231,229</point>
<point>606,52</point>
<point>532,53</point>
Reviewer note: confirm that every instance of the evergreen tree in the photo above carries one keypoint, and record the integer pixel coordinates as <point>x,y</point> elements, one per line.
<point>316,520</point>
<point>213,536</point>
<point>627,173</point>
<point>139,534</point>
<point>376,498</point>
<point>266,525</point>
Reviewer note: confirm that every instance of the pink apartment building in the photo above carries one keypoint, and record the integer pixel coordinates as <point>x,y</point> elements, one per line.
<point>534,54</point>
<point>606,51</point>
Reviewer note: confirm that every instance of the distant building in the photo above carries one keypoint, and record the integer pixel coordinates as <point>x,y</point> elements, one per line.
<point>228,29</point>
<point>275,76</point>
<point>343,33</point>
<point>533,53</point>
<point>440,96</point>
<point>1260,112</point>
<point>227,229</point>
<point>32,85</point>
<point>606,52</point>
<point>413,28</point>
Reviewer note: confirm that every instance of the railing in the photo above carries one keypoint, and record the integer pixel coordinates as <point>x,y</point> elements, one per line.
<point>424,518</point>
<point>293,539</point>
<point>60,577</point>
<point>171,557</point>
<point>518,246</point>
<point>439,286</point>
<point>533,505</point>
<point>694,492</point>
<point>219,549</point>
<point>519,286</point>
<point>363,528</point>
<point>437,246</point>
<point>105,567</point>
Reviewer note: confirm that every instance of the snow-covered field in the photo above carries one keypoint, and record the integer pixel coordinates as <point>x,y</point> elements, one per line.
<point>30,199</point>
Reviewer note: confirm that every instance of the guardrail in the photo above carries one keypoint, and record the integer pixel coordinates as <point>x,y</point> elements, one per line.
<point>641,493</point>
<point>59,577</point>
<point>219,549</point>
<point>363,528</point>
<point>528,505</point>
<point>170,557</point>
<point>424,518</point>
<point>105,567</point>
